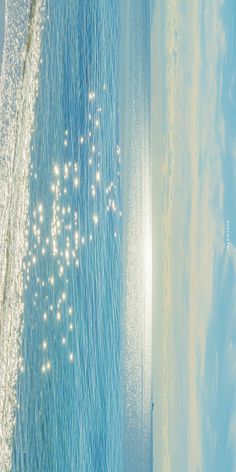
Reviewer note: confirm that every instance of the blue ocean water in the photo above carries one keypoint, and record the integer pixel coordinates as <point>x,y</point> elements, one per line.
<point>75,237</point>
<point>69,395</point>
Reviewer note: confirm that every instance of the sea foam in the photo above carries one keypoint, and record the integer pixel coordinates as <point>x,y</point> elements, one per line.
<point>18,92</point>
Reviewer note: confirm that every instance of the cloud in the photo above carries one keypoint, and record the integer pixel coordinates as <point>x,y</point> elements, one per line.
<point>206,220</point>
<point>192,223</point>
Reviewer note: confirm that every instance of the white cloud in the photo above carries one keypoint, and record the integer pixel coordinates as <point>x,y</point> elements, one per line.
<point>194,145</point>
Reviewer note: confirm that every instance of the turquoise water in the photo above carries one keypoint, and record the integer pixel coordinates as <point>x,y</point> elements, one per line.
<point>69,392</point>
<point>137,222</point>
<point>75,237</point>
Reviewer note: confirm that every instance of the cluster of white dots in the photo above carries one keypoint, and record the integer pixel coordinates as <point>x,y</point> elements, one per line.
<point>56,230</point>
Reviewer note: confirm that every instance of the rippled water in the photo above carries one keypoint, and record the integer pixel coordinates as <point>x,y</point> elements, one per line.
<point>69,412</point>
<point>137,236</point>
<point>62,245</point>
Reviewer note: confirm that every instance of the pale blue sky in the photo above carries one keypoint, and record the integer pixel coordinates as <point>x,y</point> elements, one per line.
<point>219,404</point>
<point>194,163</point>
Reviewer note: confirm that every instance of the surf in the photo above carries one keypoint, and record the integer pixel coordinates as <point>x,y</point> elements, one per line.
<point>18,92</point>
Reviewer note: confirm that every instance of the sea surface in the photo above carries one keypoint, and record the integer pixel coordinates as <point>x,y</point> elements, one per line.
<point>67,269</point>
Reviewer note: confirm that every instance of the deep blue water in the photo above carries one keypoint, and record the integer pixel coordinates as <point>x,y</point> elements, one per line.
<point>69,393</point>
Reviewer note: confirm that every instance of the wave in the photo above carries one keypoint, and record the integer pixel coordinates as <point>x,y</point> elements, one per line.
<point>18,91</point>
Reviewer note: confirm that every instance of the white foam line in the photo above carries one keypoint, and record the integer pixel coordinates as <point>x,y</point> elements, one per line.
<point>19,83</point>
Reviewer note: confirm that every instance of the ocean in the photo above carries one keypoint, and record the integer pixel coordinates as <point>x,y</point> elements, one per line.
<point>66,169</point>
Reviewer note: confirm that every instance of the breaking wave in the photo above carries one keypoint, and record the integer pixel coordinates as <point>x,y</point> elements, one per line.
<point>18,92</point>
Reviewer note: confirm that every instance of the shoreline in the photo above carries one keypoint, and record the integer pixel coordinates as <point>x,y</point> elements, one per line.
<point>2,31</point>
<point>15,134</point>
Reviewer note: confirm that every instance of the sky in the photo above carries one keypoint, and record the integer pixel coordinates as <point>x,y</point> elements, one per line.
<point>193,152</point>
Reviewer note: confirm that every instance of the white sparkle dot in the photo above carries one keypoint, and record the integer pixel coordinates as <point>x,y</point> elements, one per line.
<point>91,96</point>
<point>51,280</point>
<point>76,182</point>
<point>56,169</point>
<point>71,357</point>
<point>95,219</point>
